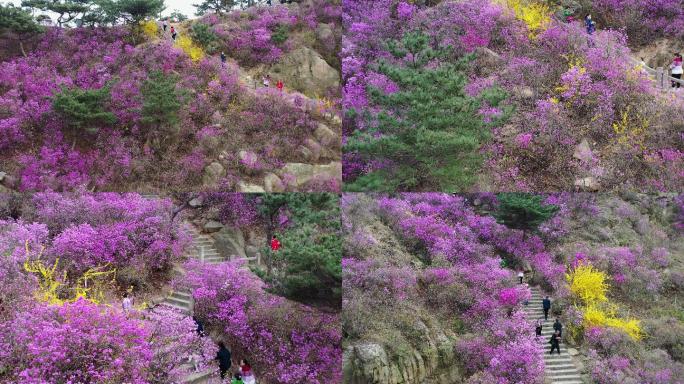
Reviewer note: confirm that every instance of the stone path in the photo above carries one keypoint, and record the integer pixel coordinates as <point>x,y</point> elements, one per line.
<point>559,369</point>
<point>203,250</point>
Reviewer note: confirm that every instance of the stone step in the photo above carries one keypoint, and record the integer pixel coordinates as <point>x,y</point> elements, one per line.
<point>174,306</point>
<point>181,303</point>
<point>200,377</point>
<point>560,378</point>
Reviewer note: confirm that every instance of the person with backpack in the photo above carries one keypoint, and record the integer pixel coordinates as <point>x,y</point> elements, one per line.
<point>546,306</point>
<point>677,70</point>
<point>267,81</point>
<point>558,327</point>
<point>165,25</point>
<point>555,342</point>
<point>223,357</point>
<point>275,244</point>
<point>173,33</point>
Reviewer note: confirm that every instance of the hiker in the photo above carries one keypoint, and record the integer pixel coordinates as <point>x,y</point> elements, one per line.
<point>555,342</point>
<point>268,2</point>
<point>677,70</point>
<point>275,243</point>
<point>200,326</point>
<point>546,306</point>
<point>558,327</point>
<point>538,328</point>
<point>280,85</point>
<point>267,81</point>
<point>237,379</point>
<point>165,25</point>
<point>591,26</point>
<point>521,275</point>
<point>223,57</point>
<point>246,372</point>
<point>223,357</point>
<point>126,303</point>
<point>173,33</point>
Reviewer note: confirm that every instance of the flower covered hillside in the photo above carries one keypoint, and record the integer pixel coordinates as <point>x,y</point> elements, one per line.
<point>525,95</point>
<point>135,106</point>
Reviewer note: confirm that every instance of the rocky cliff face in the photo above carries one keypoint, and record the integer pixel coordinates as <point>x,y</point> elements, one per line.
<point>432,363</point>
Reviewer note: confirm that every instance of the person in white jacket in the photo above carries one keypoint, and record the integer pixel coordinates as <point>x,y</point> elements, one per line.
<point>677,70</point>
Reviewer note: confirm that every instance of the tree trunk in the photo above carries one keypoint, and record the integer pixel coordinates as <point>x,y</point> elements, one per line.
<point>21,47</point>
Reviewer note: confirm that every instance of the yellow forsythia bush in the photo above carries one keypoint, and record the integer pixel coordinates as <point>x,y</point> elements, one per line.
<point>588,283</point>
<point>185,43</point>
<point>535,15</point>
<point>150,28</point>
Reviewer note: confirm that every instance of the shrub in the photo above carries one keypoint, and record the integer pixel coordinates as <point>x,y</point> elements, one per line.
<point>203,35</point>
<point>84,108</point>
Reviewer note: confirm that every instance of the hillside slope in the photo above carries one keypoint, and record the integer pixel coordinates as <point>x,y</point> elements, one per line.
<point>138,111</point>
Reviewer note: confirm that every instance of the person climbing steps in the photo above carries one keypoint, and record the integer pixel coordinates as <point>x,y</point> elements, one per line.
<point>546,306</point>
<point>173,33</point>
<point>555,342</point>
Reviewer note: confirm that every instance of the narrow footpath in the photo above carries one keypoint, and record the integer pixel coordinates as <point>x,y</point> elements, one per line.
<point>558,369</point>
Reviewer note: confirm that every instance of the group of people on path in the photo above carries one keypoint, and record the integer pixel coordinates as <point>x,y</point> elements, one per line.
<point>557,327</point>
<point>244,375</point>
<point>546,307</point>
<point>266,81</point>
<point>165,26</point>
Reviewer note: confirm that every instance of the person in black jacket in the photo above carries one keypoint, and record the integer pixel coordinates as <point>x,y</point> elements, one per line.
<point>546,305</point>
<point>555,342</point>
<point>223,357</point>
<point>538,328</point>
<point>557,326</point>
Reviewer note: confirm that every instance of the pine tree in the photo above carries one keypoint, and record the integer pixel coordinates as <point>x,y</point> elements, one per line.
<point>215,6</point>
<point>66,10</point>
<point>161,100</point>
<point>16,21</point>
<point>84,108</point>
<point>523,211</point>
<point>429,130</point>
<point>135,11</point>
<point>308,266</point>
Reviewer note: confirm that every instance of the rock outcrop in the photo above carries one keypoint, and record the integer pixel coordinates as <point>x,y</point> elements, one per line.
<point>433,362</point>
<point>306,71</point>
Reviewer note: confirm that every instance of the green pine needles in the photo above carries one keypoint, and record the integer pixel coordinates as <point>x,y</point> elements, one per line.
<point>429,132</point>
<point>84,109</point>
<point>523,211</point>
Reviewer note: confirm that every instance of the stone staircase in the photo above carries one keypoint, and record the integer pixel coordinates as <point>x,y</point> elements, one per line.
<point>203,250</point>
<point>559,369</point>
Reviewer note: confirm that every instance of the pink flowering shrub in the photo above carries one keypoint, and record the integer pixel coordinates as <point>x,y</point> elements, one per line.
<point>84,230</point>
<point>565,87</point>
<point>84,342</point>
<point>285,342</point>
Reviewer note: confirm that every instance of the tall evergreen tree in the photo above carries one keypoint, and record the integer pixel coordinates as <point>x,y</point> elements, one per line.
<point>430,130</point>
<point>162,101</point>
<point>523,211</point>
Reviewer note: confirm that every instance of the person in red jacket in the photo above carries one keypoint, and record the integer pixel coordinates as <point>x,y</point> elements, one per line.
<point>275,244</point>
<point>279,85</point>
